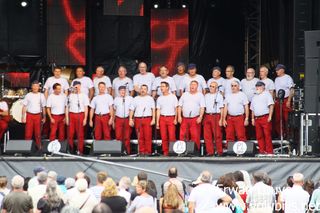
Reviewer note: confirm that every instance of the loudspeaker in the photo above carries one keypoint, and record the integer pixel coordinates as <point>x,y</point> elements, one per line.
<point>250,151</point>
<point>311,72</point>
<point>20,146</point>
<point>310,98</point>
<point>313,140</point>
<point>45,143</point>
<point>312,43</point>
<point>190,149</point>
<point>112,147</point>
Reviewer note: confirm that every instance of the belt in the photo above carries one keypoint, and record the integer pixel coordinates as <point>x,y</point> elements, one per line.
<point>101,114</point>
<point>235,115</point>
<point>212,113</point>
<point>260,116</point>
<point>33,113</point>
<point>121,117</point>
<point>167,115</point>
<point>144,117</point>
<point>57,114</point>
<point>76,112</point>
<point>191,117</point>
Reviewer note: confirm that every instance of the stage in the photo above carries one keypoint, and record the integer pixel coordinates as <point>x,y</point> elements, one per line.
<point>189,168</point>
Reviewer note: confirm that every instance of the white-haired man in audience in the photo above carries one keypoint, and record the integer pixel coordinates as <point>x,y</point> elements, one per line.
<point>39,190</point>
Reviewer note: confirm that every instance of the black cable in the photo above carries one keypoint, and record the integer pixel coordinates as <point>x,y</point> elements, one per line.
<point>15,170</point>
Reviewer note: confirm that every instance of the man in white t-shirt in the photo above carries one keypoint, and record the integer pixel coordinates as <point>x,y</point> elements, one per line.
<point>204,197</point>
<point>122,80</point>
<point>178,78</point>
<point>193,76</point>
<point>216,76</point>
<point>236,113</point>
<point>56,109</point>
<point>229,79</point>
<point>142,116</point>
<point>156,91</point>
<point>34,108</point>
<point>143,78</point>
<point>102,111</point>
<point>87,87</point>
<point>263,75</point>
<point>190,114</point>
<point>56,78</point>
<point>166,116</point>
<point>100,77</point>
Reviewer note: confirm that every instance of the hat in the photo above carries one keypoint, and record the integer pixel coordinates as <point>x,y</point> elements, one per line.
<point>192,66</point>
<point>38,169</point>
<point>280,66</point>
<point>76,83</point>
<point>122,87</point>
<point>61,179</point>
<point>260,84</point>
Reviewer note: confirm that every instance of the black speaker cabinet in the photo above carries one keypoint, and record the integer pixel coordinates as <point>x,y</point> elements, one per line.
<point>312,43</point>
<point>20,146</point>
<point>112,147</point>
<point>190,149</point>
<point>250,151</point>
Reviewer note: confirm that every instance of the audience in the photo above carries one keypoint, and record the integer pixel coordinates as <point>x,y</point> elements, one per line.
<point>173,179</point>
<point>172,200</point>
<point>38,191</point>
<point>98,188</point>
<point>124,186</point>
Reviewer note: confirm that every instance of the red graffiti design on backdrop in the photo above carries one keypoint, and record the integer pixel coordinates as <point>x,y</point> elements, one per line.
<point>169,42</point>
<point>77,36</point>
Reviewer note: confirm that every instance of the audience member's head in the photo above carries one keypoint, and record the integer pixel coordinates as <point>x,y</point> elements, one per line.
<point>52,175</point>
<point>101,177</point>
<point>125,183</point>
<point>69,183</point>
<point>290,181</point>
<point>101,208</point>
<point>61,180</point>
<point>110,188</point>
<point>42,177</point>
<point>298,179</point>
<point>17,182</point>
<point>81,185</point>
<point>173,172</point>
<point>151,188</point>
<point>172,198</point>
<point>142,176</point>
<point>206,177</point>
<point>3,182</point>
<point>238,176</point>
<point>38,169</point>
<point>141,187</point>
<point>309,186</point>
<point>26,183</point>
<point>259,176</point>
<point>227,181</point>
<point>80,175</point>
<point>87,178</point>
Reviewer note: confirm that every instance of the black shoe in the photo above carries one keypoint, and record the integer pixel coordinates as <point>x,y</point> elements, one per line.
<point>209,155</point>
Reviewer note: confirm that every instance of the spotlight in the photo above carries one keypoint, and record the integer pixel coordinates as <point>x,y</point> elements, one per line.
<point>24,3</point>
<point>155,6</point>
<point>184,6</point>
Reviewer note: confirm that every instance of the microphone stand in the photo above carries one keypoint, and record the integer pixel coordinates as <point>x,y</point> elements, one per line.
<point>215,109</point>
<point>79,122</point>
<point>123,125</point>
<point>41,125</point>
<point>281,124</point>
<point>155,144</point>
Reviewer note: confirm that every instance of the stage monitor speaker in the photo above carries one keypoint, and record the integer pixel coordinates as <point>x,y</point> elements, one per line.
<point>45,143</point>
<point>111,147</point>
<point>313,140</point>
<point>312,43</point>
<point>20,146</point>
<point>250,150</point>
<point>190,149</point>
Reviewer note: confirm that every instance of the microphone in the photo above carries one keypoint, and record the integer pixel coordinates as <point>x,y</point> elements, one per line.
<point>190,114</point>
<point>281,94</point>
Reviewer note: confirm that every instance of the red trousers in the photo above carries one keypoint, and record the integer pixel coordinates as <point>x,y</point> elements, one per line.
<point>33,126</point>
<point>235,127</point>
<point>285,114</point>
<point>58,125</point>
<point>189,127</point>
<point>263,134</point>
<point>144,134</point>
<point>3,127</point>
<point>211,128</point>
<point>76,126</point>
<point>123,132</point>
<point>102,127</point>
<point>167,132</point>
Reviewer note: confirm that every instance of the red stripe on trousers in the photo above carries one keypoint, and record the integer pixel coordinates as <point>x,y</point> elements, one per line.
<point>211,129</point>
<point>102,127</point>
<point>144,134</point>
<point>190,129</point>
<point>167,132</point>
<point>235,127</point>
<point>59,126</point>
<point>263,134</point>
<point>33,126</point>
<point>76,127</point>
<point>123,132</point>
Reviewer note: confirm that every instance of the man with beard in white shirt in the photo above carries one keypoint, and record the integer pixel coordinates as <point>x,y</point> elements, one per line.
<point>122,80</point>
<point>121,106</point>
<point>262,109</point>
<point>166,116</point>
<point>100,77</point>
<point>56,78</point>
<point>190,114</point>
<point>213,120</point>
<point>102,111</point>
<point>142,116</point>
<point>87,86</point>
<point>193,76</point>
<point>269,84</point>
<point>156,91</point>
<point>178,78</point>
<point>216,77</point>
<point>143,78</point>
<point>56,110</point>
<point>229,79</point>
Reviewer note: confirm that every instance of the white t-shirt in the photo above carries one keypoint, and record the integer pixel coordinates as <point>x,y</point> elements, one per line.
<point>86,84</point>
<point>295,200</point>
<point>249,87</point>
<point>206,197</point>
<point>57,103</point>
<point>235,103</point>
<point>214,102</point>
<point>122,105</point>
<point>117,82</point>
<point>146,79</point>
<point>284,82</point>
<point>220,81</point>
<point>178,80</point>
<point>261,102</point>
<point>34,102</point>
<point>269,84</point>
<point>101,104</point>
<point>191,104</point>
<point>142,106</point>
<point>227,85</point>
<point>78,102</point>
<point>52,80</point>
<point>157,82</point>
<point>96,82</point>
<point>4,106</point>
<point>187,80</point>
<point>167,104</point>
